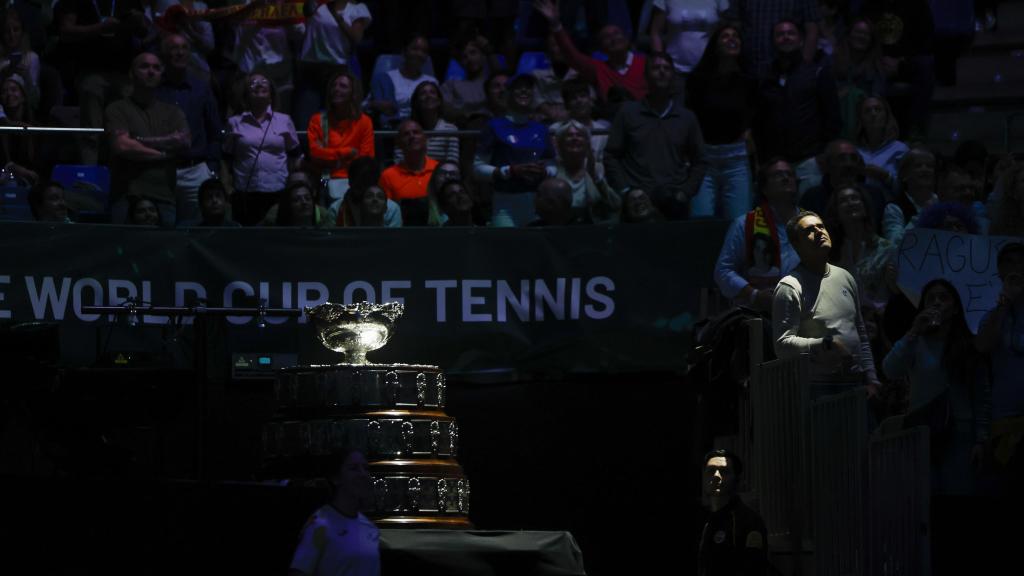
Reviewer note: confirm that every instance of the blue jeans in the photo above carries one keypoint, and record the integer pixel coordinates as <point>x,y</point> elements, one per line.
<point>727,189</point>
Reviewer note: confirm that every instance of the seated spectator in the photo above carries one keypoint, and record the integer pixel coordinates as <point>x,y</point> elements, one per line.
<point>797,112</point>
<point>19,149</point>
<point>844,167</point>
<point>333,29</point>
<point>723,97</point>
<point>364,172</point>
<point>1001,337</point>
<point>756,252</point>
<point>551,104</point>
<point>1008,210</point>
<point>957,185</point>
<point>147,137</point>
<point>16,55</point>
<point>857,247</point>
<point>512,156</point>
<point>445,172</point>
<point>578,97</point>
<point>193,95</point>
<point>298,207</point>
<point>213,207</point>
<point>465,99</point>
<point>679,27</point>
<point>496,18</point>
<point>391,92</point>
<point>260,148</point>
<point>856,63</point>
<point>624,67</point>
<point>949,216</point>
<point>878,141</point>
<point>593,200</point>
<point>340,136</point>
<point>48,203</point>
<point>456,203</point>
<point>406,182</point>
<point>366,207</point>
<point>949,388</point>
<point>816,311</point>
<point>142,211</point>
<point>553,204</point>
<point>916,191</point>
<point>656,145</point>
<point>426,110</point>
<point>496,88</point>
<point>638,208</point>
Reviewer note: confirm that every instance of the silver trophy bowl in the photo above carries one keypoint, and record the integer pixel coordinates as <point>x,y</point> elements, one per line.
<point>355,329</point>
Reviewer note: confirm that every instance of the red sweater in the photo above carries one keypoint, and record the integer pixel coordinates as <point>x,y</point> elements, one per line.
<point>600,74</point>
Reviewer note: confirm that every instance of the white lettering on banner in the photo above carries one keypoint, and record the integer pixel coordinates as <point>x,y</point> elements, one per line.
<point>119,292</point>
<point>441,287</point>
<point>196,289</point>
<point>48,297</point>
<point>76,297</point>
<point>520,304</point>
<point>609,305</point>
<point>556,301</point>
<point>286,300</point>
<point>229,299</point>
<point>468,301</point>
<point>388,285</point>
<point>349,295</point>
<point>967,261</point>
<point>4,314</point>
<point>305,289</point>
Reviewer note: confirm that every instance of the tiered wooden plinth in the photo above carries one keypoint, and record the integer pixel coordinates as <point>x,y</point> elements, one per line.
<point>394,414</point>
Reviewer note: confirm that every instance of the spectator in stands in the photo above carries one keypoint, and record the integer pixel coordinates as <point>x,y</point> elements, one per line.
<point>592,199</point>
<point>456,203</point>
<point>260,148</point>
<point>364,172</point>
<point>758,19</point>
<point>857,65</point>
<point>1008,209</point>
<point>957,185</point>
<point>465,99</point>
<point>391,92</point>
<point>340,136</point>
<point>844,167</point>
<point>624,67</point>
<point>723,97</point>
<point>147,138</point>
<point>832,26</point>
<point>949,389</point>
<point>906,30</point>
<point>98,39</point>
<point>474,16</point>
<point>265,48</point>
<point>496,88</point>
<point>553,204</point>
<point>19,149</point>
<point>406,182</point>
<point>337,538</point>
<point>48,202</point>
<point>857,247</point>
<point>949,216</point>
<point>878,141</point>
<point>181,17</point>
<point>798,111</point>
<point>142,211</point>
<point>1001,336</point>
<point>195,98</point>
<point>816,310</point>
<point>679,28</point>
<point>213,207</point>
<point>512,155</point>
<point>298,207</point>
<point>638,208</point>
<point>578,97</point>
<point>366,207</point>
<point>551,104</point>
<point>16,54</point>
<point>445,172</point>
<point>333,29</point>
<point>917,190</point>
<point>733,539</point>
<point>756,252</point>
<point>656,145</point>
<point>427,103</point>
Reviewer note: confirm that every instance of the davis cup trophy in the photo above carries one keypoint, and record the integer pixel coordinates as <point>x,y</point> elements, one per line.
<point>394,413</point>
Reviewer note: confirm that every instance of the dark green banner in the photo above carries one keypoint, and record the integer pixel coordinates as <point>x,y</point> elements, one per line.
<point>582,299</point>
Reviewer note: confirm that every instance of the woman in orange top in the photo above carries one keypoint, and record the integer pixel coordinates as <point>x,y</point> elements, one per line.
<point>349,133</point>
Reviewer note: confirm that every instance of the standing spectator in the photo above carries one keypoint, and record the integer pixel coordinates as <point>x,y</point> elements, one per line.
<point>178,17</point>
<point>266,49</point>
<point>729,522</point>
<point>579,102</point>
<point>551,104</point>
<point>758,19</point>
<point>1001,336</point>
<point>949,390</point>
<point>593,200</point>
<point>957,185</point>
<point>816,310</point>
<point>656,145</point>
<point>798,112</point>
<point>98,39</point>
<point>19,149</point>
<point>512,156</point>
<point>340,134</point>
<point>917,191</point>
<point>259,149</point>
<point>184,89</point>
<point>624,67</point>
<point>49,203</point>
<point>857,247</point>
<point>427,103</point>
<point>16,54</point>
<point>844,167</point>
<point>213,207</point>
<point>333,29</point>
<point>406,182</point>
<point>465,99</point>
<point>1008,209</point>
<point>832,26</point>
<point>391,92</point>
<point>757,251</point>
<point>878,141</point>
<point>472,15</point>
<point>147,138</point>
<point>723,97</point>
<point>857,65</point>
<point>680,28</point>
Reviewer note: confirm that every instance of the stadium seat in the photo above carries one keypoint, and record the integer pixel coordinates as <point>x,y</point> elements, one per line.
<point>86,188</point>
<point>530,61</point>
